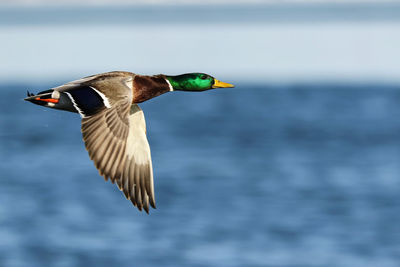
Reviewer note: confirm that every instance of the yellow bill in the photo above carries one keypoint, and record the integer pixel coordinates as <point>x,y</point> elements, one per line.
<point>219,84</point>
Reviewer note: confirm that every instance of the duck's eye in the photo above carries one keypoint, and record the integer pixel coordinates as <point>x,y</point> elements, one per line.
<point>203,77</point>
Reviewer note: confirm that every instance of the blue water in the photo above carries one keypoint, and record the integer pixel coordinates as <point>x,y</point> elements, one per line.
<point>258,175</point>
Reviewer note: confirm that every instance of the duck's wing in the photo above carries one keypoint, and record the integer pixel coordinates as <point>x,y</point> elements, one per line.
<point>115,138</point>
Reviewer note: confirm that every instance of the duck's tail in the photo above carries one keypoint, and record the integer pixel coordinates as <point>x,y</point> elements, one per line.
<point>52,99</point>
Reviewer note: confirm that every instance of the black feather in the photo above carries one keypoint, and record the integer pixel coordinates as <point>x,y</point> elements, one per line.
<point>87,100</point>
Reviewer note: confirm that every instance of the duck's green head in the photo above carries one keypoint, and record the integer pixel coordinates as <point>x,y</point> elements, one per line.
<point>195,82</point>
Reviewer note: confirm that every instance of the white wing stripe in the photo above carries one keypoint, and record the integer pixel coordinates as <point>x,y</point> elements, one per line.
<point>105,99</point>
<point>75,105</point>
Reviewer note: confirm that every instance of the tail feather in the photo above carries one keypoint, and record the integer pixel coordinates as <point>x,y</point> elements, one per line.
<point>28,94</point>
<point>81,99</point>
<point>42,99</point>
<point>51,99</point>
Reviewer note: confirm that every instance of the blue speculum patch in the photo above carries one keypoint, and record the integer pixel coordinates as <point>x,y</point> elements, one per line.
<point>87,100</point>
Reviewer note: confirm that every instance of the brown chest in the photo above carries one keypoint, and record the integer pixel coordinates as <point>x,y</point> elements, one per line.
<point>148,87</point>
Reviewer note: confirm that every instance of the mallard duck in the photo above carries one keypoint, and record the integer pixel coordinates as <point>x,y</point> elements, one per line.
<point>113,125</point>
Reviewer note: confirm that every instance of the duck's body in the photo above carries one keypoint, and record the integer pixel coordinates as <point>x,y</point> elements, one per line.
<point>113,125</point>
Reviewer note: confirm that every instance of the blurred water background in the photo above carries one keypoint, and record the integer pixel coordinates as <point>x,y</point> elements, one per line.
<point>296,166</point>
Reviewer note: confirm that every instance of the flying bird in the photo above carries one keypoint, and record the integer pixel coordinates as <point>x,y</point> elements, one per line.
<point>113,125</point>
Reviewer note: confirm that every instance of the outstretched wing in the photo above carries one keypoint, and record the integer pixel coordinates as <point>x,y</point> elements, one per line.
<point>115,138</point>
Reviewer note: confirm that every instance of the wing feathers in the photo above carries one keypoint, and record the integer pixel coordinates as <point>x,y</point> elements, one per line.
<point>120,163</point>
<point>105,156</point>
<point>92,128</point>
<point>142,184</point>
<point>127,185</point>
<point>116,141</point>
<point>137,176</point>
<point>116,159</point>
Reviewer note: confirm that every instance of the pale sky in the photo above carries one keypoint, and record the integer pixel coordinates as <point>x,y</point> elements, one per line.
<point>275,51</point>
